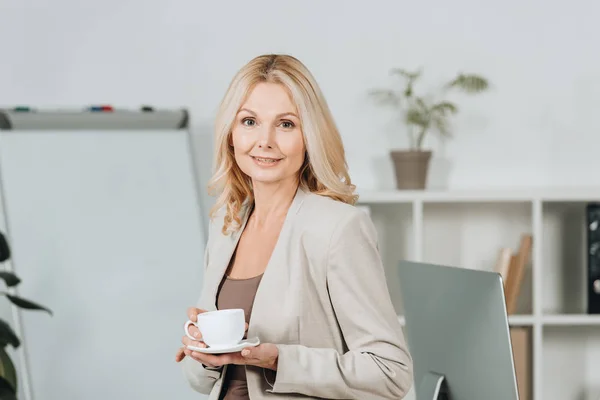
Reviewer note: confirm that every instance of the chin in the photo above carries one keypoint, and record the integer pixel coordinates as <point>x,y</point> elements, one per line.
<point>266,177</point>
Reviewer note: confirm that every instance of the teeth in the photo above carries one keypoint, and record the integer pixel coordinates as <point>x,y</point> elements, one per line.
<point>268,160</point>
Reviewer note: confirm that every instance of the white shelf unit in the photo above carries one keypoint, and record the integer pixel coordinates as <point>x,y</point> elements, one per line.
<point>467,228</point>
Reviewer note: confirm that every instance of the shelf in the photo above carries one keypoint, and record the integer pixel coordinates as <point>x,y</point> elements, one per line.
<point>513,320</point>
<point>571,320</point>
<point>467,228</point>
<point>491,195</point>
<point>547,320</point>
<point>521,320</point>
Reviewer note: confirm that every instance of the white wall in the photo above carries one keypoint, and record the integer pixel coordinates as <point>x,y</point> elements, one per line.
<point>539,55</point>
<point>535,127</point>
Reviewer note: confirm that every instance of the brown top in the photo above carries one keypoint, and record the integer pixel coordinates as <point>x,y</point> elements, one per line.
<point>237,293</point>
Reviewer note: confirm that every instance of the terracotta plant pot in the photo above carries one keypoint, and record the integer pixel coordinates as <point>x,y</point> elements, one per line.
<point>411,168</point>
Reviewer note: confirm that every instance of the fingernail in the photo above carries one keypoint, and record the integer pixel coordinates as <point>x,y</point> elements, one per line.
<point>196,334</point>
<point>245,352</point>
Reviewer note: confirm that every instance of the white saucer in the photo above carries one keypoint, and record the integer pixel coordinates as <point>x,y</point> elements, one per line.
<point>229,349</point>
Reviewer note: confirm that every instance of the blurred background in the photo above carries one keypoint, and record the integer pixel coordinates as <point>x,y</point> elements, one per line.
<point>521,162</point>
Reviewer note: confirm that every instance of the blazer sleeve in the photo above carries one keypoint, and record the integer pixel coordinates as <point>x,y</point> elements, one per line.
<point>377,364</point>
<point>200,378</point>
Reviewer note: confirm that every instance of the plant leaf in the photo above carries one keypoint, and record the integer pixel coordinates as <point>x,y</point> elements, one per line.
<point>411,76</point>
<point>385,97</point>
<point>417,117</point>
<point>469,83</point>
<point>420,102</point>
<point>8,376</point>
<point>9,278</point>
<point>4,248</point>
<point>443,107</point>
<point>24,303</point>
<point>8,336</point>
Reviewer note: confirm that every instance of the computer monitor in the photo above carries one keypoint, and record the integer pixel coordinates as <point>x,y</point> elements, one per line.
<point>457,333</point>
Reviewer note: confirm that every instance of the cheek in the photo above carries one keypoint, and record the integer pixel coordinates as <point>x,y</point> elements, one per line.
<point>293,147</point>
<point>240,141</point>
<point>242,146</point>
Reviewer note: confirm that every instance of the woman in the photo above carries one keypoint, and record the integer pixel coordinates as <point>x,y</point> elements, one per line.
<point>288,246</point>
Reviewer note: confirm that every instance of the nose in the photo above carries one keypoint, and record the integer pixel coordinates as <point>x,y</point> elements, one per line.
<point>266,138</point>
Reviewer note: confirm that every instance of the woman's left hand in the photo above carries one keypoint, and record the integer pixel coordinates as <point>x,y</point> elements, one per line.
<point>264,355</point>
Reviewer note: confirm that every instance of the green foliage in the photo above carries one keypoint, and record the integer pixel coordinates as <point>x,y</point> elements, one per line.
<point>8,374</point>
<point>422,114</point>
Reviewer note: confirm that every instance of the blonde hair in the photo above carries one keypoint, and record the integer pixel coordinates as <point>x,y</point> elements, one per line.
<point>325,170</point>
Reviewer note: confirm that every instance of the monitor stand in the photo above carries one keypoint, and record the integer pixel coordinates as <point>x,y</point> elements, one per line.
<point>433,387</point>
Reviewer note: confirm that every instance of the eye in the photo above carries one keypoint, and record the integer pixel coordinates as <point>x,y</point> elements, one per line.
<point>287,124</point>
<point>248,122</point>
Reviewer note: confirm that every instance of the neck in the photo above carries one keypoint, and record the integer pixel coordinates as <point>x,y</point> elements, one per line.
<point>272,201</point>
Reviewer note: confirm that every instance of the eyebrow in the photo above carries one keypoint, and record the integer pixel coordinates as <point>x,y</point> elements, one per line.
<point>277,116</point>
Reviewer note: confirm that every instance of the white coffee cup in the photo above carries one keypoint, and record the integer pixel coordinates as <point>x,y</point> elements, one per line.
<point>221,328</point>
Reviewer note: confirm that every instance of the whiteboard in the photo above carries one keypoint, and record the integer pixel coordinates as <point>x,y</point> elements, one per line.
<point>107,231</point>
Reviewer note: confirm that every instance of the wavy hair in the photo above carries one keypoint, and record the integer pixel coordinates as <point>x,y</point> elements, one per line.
<point>324,171</point>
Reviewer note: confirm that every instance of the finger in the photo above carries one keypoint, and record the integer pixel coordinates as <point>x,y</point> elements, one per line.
<point>246,326</point>
<point>180,355</point>
<point>195,332</point>
<point>223,359</point>
<point>193,312</point>
<point>188,352</point>
<point>249,352</point>
<point>189,342</point>
<point>255,353</point>
<point>186,340</point>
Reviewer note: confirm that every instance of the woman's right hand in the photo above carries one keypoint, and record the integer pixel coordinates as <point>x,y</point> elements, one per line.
<point>194,331</point>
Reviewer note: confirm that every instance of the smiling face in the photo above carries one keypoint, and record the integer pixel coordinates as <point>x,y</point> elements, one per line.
<point>266,135</point>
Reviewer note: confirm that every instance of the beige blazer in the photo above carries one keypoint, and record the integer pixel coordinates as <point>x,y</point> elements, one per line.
<point>324,301</point>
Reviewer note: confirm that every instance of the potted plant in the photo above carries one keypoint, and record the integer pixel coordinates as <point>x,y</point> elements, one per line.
<point>421,115</point>
<point>8,374</point>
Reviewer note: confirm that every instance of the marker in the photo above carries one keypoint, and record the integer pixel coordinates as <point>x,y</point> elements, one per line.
<point>101,108</point>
